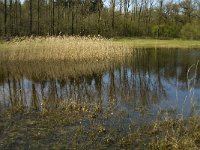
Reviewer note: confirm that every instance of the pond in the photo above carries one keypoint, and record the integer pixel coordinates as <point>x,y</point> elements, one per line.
<point>149,80</point>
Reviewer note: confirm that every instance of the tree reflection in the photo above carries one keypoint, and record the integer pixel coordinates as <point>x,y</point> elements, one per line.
<point>141,80</point>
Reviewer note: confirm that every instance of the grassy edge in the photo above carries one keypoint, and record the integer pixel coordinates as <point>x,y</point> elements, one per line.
<point>156,43</point>
<point>147,43</point>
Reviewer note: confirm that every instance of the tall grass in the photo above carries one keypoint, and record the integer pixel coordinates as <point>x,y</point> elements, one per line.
<point>62,48</point>
<point>60,56</point>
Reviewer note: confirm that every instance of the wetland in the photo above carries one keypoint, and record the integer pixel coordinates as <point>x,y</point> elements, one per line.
<point>138,98</point>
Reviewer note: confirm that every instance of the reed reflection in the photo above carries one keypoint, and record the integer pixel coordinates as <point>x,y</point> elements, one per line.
<point>142,79</point>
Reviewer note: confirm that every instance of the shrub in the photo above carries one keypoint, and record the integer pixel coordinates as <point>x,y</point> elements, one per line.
<point>191,31</point>
<point>166,30</point>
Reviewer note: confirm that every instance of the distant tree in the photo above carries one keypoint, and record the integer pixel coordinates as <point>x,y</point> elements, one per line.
<point>38,17</point>
<point>5,17</point>
<point>160,12</point>
<point>11,17</point>
<point>30,16</point>
<point>187,7</point>
<point>113,3</point>
<point>156,18</point>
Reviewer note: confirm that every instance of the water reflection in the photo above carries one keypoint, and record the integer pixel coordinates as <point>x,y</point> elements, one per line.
<point>148,78</point>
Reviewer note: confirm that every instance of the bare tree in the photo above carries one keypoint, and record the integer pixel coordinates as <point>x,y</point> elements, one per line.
<point>30,17</point>
<point>10,17</point>
<point>38,17</point>
<point>113,3</point>
<point>187,9</point>
<point>160,16</point>
<point>5,17</point>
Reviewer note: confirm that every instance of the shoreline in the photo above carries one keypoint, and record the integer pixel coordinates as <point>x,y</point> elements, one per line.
<point>78,127</point>
<point>158,43</point>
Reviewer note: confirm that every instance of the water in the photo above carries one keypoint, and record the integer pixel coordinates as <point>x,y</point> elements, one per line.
<point>147,81</point>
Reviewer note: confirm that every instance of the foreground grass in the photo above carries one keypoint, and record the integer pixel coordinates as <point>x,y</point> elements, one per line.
<point>154,43</point>
<point>81,127</point>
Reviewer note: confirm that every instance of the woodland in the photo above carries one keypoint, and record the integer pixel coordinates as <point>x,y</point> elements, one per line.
<point>108,18</point>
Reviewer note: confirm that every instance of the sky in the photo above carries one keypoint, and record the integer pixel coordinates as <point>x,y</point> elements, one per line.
<point>106,2</point>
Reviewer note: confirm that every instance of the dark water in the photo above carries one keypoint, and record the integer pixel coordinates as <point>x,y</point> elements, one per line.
<point>149,80</point>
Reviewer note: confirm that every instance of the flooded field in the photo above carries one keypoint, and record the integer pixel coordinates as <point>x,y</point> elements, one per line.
<point>140,87</point>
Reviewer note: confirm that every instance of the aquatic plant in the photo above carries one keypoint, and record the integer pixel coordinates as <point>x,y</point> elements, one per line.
<point>62,48</point>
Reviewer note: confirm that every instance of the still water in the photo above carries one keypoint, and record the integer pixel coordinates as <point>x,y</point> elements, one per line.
<point>148,80</point>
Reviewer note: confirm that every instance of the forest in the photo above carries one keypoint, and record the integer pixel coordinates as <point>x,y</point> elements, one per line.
<point>108,18</point>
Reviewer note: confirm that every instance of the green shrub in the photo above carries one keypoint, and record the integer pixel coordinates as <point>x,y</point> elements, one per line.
<point>166,30</point>
<point>191,31</point>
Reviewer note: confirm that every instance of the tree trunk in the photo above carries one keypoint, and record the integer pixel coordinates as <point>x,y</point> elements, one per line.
<point>52,17</point>
<point>113,14</point>
<point>16,17</point>
<point>20,17</point>
<point>99,17</point>
<point>58,17</point>
<point>72,26</point>
<point>5,17</point>
<point>38,17</point>
<point>159,18</point>
<point>31,17</point>
<point>11,22</point>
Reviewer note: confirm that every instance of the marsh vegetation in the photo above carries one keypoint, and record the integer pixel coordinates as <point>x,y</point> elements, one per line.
<point>62,90</point>
<point>62,48</point>
<point>72,127</point>
<point>86,93</point>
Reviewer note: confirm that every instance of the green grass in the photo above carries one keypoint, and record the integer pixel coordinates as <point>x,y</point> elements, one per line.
<point>154,43</point>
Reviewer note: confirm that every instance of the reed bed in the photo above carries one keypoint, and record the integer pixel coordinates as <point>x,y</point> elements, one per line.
<point>59,57</point>
<point>62,48</point>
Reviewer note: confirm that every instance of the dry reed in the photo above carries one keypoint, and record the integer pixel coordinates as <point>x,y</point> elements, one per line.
<point>62,48</point>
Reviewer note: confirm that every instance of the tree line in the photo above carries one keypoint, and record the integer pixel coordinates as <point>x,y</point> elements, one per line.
<point>109,18</point>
